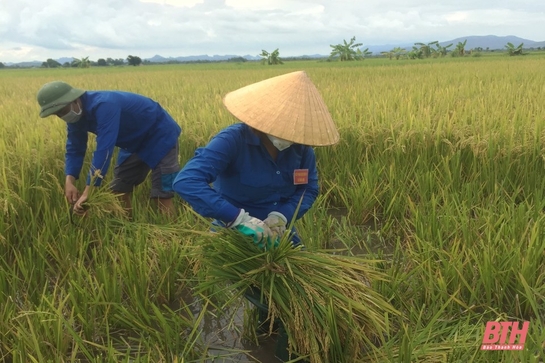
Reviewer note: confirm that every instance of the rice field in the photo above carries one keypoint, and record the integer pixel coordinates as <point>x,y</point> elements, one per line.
<point>437,185</point>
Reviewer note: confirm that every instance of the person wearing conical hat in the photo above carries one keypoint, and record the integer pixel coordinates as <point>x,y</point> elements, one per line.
<point>143,130</point>
<point>260,169</point>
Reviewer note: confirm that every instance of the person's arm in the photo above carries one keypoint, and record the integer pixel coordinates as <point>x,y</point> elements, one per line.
<point>76,146</point>
<point>308,192</point>
<point>193,181</point>
<point>108,119</point>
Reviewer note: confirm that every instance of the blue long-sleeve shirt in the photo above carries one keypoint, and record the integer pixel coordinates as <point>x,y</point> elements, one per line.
<point>244,175</point>
<point>130,121</point>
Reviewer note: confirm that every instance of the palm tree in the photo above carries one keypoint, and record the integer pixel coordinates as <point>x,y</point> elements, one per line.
<point>426,49</point>
<point>399,52</point>
<point>461,48</point>
<point>348,51</point>
<point>271,58</point>
<point>512,50</point>
<point>361,54</point>
<point>389,54</point>
<point>442,51</point>
<point>81,63</point>
<point>396,53</point>
<point>415,53</point>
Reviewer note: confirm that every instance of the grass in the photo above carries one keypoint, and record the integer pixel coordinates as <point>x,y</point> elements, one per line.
<point>439,171</point>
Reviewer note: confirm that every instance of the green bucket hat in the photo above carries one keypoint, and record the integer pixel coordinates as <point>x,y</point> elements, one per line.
<point>53,96</point>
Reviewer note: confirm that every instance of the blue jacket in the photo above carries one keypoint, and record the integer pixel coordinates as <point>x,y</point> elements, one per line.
<point>130,121</point>
<point>245,176</point>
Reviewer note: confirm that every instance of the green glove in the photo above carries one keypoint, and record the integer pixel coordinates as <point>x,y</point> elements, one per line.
<point>255,228</point>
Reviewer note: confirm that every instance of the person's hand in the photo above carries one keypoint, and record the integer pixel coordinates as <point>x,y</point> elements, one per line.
<point>70,191</point>
<point>78,206</point>
<point>252,226</point>
<point>276,221</point>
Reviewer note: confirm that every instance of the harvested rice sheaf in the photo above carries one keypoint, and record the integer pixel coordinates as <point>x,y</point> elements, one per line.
<point>102,203</point>
<point>326,303</point>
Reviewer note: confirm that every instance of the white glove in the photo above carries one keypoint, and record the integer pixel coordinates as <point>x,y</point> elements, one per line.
<point>276,221</point>
<point>252,226</point>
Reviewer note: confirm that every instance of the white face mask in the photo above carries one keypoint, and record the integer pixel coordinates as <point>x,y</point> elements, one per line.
<point>279,143</point>
<point>72,116</point>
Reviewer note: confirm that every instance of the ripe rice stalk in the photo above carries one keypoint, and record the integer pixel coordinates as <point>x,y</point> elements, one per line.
<point>326,303</point>
<point>102,202</point>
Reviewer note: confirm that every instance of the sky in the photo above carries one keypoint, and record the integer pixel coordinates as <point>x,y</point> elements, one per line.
<point>35,30</point>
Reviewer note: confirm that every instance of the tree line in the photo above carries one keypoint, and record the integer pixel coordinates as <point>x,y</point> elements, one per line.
<point>86,63</point>
<point>352,51</point>
<point>435,50</point>
<point>345,51</point>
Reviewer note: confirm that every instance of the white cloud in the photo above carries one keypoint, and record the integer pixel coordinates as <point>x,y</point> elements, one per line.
<point>179,3</point>
<point>116,28</point>
<point>457,17</point>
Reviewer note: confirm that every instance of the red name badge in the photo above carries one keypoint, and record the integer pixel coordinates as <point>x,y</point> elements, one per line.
<point>300,176</point>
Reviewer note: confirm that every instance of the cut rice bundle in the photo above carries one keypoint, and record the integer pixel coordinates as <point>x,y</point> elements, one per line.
<point>326,303</point>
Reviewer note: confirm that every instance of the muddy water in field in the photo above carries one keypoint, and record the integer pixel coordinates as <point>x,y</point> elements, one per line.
<point>223,335</point>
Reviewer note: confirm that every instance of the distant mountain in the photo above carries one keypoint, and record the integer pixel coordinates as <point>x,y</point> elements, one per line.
<point>306,56</point>
<point>492,42</point>
<point>65,59</point>
<point>376,49</point>
<point>29,64</point>
<point>192,58</point>
<point>215,58</point>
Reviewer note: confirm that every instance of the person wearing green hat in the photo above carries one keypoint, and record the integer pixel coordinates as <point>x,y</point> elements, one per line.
<point>147,137</point>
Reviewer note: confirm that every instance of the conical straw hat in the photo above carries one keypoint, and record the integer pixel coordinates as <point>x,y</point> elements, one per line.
<point>288,106</point>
